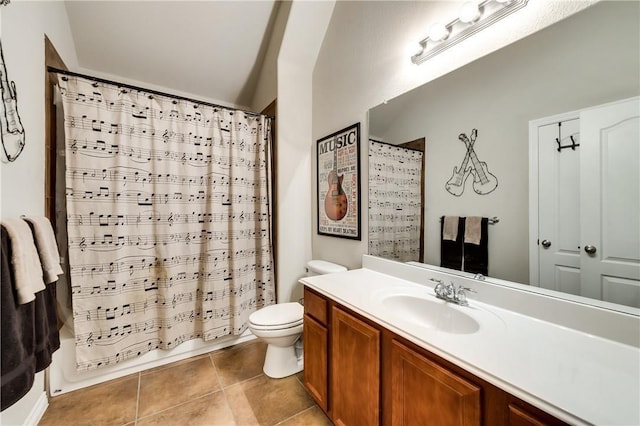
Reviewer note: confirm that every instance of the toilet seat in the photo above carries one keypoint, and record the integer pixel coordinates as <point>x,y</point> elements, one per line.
<point>277,317</point>
<point>275,327</point>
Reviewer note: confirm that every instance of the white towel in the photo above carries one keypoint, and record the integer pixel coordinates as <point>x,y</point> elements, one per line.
<point>27,268</point>
<point>450,228</point>
<point>47,247</point>
<point>472,230</point>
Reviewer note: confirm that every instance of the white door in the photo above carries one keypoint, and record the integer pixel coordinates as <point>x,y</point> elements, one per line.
<point>610,202</point>
<point>559,206</point>
<point>586,240</point>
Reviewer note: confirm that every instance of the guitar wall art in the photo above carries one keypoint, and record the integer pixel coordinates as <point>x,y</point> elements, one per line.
<point>484,182</point>
<point>338,180</point>
<point>12,132</point>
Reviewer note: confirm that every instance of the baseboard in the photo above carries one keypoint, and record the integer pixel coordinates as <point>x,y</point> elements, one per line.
<point>36,413</point>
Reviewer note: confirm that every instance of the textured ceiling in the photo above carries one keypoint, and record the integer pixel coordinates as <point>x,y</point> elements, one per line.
<point>212,49</point>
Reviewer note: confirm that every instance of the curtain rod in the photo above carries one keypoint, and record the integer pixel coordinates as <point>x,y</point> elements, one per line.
<point>396,146</point>
<point>155,92</point>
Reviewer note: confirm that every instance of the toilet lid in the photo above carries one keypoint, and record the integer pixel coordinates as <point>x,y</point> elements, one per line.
<point>278,314</point>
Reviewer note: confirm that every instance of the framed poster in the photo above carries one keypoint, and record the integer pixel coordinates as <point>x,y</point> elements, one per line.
<point>338,166</point>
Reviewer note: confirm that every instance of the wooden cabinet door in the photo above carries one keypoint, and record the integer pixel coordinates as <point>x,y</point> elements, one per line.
<point>520,416</point>
<point>315,360</point>
<point>425,393</point>
<point>355,373</point>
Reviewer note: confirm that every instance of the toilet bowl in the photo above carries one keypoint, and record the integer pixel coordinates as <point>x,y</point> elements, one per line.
<point>280,326</point>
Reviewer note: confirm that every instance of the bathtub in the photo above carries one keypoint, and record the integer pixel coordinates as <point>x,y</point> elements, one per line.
<point>63,377</point>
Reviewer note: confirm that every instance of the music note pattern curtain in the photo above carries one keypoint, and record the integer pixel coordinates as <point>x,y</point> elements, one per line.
<point>395,178</point>
<point>168,220</point>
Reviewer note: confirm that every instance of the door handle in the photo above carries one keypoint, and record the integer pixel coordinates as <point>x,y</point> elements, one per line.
<point>589,249</point>
<point>546,243</point>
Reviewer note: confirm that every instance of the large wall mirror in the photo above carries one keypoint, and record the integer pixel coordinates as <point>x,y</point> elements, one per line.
<point>586,60</point>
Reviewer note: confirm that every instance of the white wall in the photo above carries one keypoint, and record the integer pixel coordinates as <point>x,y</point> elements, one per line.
<point>24,25</point>
<point>267,86</point>
<point>544,74</point>
<point>302,39</point>
<point>365,59</point>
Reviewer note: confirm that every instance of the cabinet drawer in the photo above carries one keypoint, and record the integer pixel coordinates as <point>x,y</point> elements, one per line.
<point>315,306</point>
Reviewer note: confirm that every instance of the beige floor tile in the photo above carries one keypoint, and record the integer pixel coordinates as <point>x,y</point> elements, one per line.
<point>274,400</point>
<point>189,392</point>
<point>110,403</point>
<point>242,411</point>
<point>314,416</point>
<point>210,410</point>
<point>240,362</point>
<point>172,386</point>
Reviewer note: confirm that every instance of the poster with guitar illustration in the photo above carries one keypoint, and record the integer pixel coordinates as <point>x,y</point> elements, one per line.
<point>338,165</point>
<point>484,181</point>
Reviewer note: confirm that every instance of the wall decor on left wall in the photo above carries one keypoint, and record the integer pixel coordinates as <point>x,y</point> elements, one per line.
<point>13,137</point>
<point>338,180</point>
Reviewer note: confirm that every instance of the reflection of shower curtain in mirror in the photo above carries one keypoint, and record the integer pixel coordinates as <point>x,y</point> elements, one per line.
<point>395,178</point>
<point>168,220</point>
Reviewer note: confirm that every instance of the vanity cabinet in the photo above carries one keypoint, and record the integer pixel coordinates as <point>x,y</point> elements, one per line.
<point>315,336</point>
<point>355,371</point>
<point>422,391</point>
<point>361,373</point>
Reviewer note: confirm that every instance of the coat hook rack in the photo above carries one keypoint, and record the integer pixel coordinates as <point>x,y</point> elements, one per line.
<point>573,144</point>
<point>573,141</point>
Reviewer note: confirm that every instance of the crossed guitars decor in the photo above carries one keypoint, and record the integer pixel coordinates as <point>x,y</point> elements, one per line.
<point>12,132</point>
<point>483,181</point>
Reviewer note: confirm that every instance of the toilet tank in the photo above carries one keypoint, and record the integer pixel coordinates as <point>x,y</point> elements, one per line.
<point>321,267</point>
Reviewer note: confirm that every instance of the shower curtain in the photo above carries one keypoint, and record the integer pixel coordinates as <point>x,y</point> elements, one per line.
<point>168,219</point>
<point>395,205</point>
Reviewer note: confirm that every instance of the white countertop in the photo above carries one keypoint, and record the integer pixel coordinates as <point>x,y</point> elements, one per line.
<point>577,377</point>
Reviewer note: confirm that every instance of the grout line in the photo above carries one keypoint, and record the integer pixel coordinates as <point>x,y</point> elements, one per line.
<point>224,394</point>
<point>135,420</point>
<point>173,407</point>
<point>295,415</point>
<point>215,369</point>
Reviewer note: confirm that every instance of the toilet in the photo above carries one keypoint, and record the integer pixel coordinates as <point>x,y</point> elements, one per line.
<point>280,326</point>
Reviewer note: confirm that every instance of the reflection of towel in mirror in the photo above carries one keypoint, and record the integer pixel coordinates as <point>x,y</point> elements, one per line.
<point>451,242</point>
<point>472,231</point>
<point>25,261</point>
<point>476,245</point>
<point>450,228</point>
<point>47,247</point>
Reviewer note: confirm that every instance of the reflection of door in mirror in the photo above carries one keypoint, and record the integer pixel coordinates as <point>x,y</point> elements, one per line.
<point>396,194</point>
<point>588,178</point>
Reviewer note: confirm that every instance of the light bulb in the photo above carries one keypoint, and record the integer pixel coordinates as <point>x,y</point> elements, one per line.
<point>469,12</point>
<point>438,32</point>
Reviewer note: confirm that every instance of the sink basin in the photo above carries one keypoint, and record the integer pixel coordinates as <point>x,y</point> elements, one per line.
<point>430,313</point>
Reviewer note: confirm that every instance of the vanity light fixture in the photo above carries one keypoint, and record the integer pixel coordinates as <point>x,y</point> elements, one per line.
<point>474,16</point>
<point>470,12</point>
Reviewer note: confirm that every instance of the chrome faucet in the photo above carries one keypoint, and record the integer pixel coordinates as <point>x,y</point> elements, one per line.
<point>449,293</point>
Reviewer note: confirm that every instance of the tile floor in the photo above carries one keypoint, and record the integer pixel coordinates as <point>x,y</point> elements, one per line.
<point>225,387</point>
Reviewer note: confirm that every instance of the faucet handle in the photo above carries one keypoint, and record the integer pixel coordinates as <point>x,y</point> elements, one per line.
<point>440,288</point>
<point>460,295</point>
